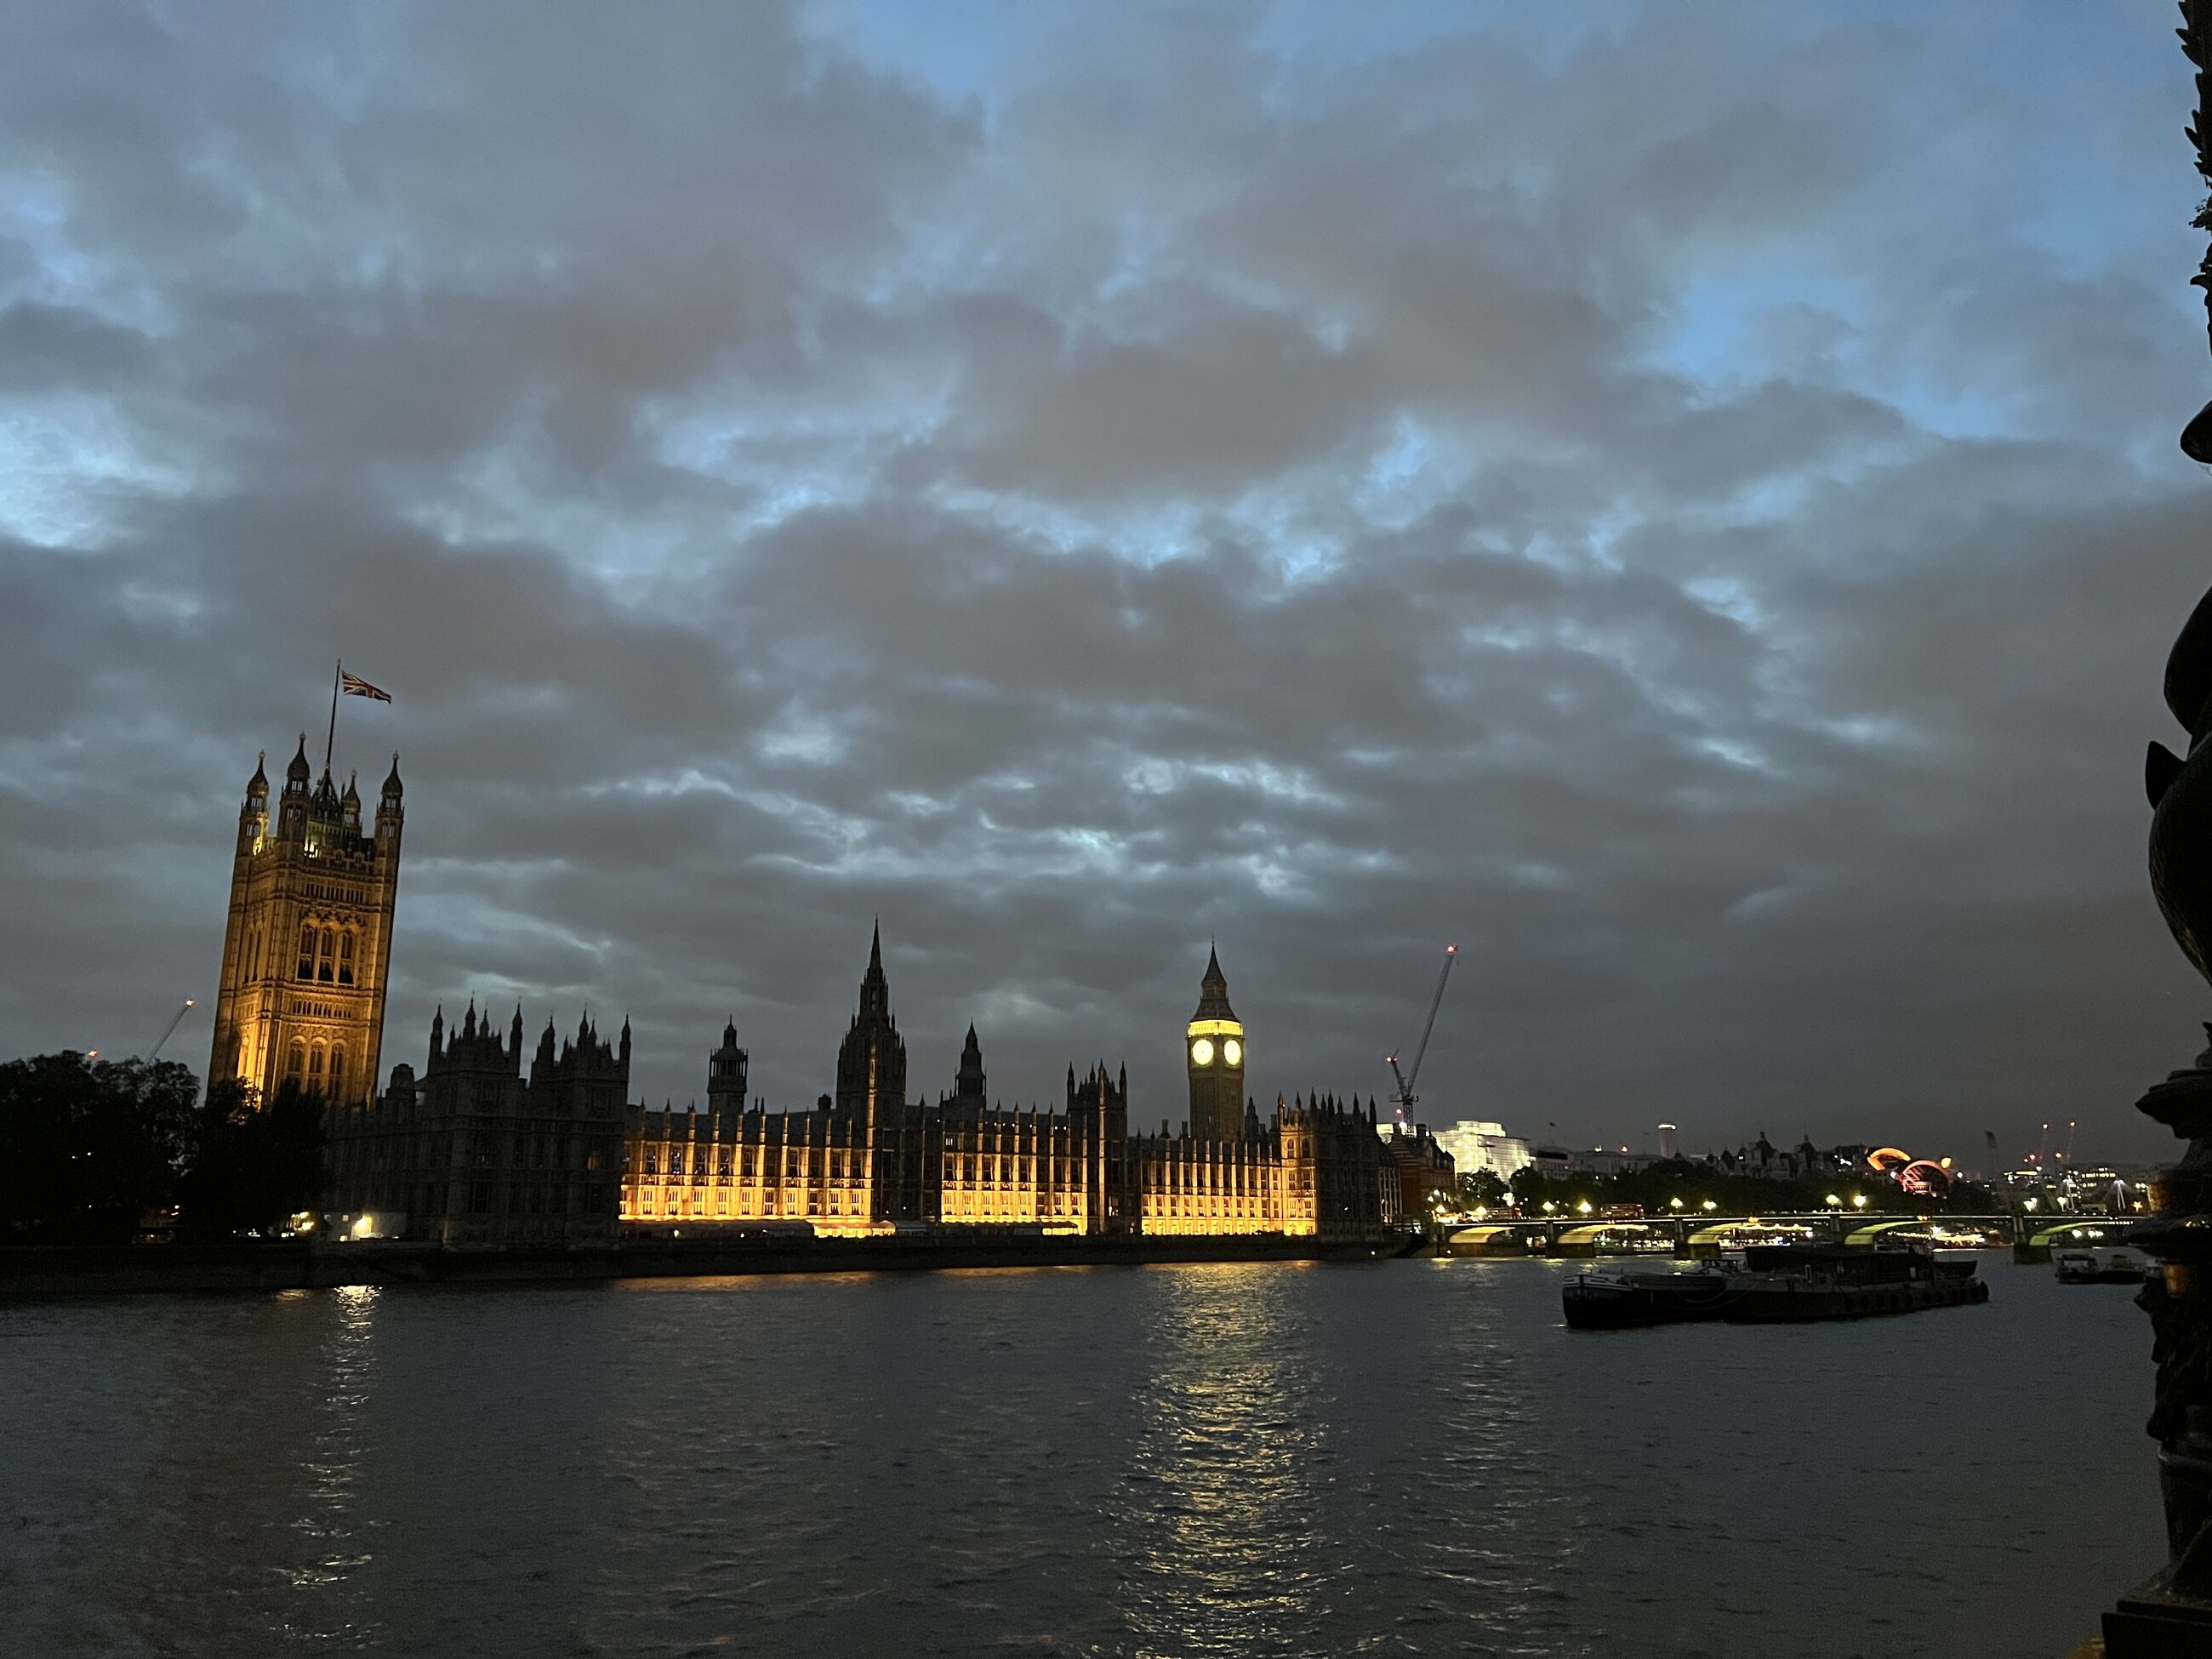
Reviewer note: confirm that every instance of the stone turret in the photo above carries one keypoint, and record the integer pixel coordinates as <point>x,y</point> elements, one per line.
<point>968,1086</point>
<point>725,1074</point>
<point>872,1061</point>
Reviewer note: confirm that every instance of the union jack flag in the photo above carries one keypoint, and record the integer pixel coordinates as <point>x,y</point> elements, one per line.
<point>355,686</point>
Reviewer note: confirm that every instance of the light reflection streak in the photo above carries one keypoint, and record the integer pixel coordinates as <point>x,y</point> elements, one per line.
<point>332,1468</point>
<point>1218,1532</point>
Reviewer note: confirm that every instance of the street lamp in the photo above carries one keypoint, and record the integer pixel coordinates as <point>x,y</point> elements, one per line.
<point>1859,1201</point>
<point>1709,1206</point>
<point>1584,1207</point>
<point>1673,1203</point>
<point>1834,1202</point>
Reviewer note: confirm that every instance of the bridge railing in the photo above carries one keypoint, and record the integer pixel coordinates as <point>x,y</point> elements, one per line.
<point>1582,1234</point>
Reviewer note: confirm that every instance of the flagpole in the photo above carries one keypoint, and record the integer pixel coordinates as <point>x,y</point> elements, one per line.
<point>331,742</point>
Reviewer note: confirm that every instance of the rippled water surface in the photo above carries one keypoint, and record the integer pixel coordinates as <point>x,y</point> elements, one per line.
<point>1405,1457</point>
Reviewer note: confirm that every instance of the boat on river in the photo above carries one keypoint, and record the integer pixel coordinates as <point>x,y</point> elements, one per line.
<point>2088,1268</point>
<point>1777,1283</point>
<point>1610,1301</point>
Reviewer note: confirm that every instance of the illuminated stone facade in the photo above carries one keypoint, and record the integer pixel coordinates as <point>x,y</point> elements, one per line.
<point>474,1152</point>
<point>866,1160</point>
<point>307,947</point>
<point>1213,1056</point>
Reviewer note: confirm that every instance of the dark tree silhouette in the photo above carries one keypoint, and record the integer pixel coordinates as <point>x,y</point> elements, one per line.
<point>252,1168</point>
<point>87,1147</point>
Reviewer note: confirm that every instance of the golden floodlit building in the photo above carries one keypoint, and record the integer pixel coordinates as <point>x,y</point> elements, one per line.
<point>867,1161</point>
<point>306,951</point>
<point>478,1150</point>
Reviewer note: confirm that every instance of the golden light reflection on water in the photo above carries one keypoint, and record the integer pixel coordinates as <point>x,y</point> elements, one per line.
<point>1218,1528</point>
<point>331,1470</point>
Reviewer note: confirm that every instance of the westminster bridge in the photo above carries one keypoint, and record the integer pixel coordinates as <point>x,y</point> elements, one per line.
<point>1578,1235</point>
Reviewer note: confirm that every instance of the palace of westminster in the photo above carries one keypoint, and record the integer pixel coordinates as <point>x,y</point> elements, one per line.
<point>477,1149</point>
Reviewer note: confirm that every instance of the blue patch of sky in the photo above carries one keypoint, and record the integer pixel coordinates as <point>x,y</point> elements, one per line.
<point>68,467</point>
<point>985,48</point>
<point>1727,596</point>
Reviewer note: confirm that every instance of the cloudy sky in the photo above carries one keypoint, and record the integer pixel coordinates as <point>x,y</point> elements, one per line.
<point>1681,500</point>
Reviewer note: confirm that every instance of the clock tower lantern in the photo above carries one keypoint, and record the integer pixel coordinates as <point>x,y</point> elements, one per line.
<point>1213,1050</point>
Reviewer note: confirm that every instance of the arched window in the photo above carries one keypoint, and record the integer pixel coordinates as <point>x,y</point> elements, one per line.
<point>315,1066</point>
<point>326,947</point>
<point>338,1069</point>
<point>295,1063</point>
<point>345,957</point>
<point>306,950</point>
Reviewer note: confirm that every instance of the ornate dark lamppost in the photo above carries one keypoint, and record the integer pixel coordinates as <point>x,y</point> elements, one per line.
<point>2170,1614</point>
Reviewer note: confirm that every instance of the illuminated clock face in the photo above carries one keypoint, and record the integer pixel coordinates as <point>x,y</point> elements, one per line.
<point>1232,1051</point>
<point>1202,1052</point>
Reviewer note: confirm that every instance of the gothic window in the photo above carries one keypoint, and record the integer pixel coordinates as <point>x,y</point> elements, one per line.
<point>325,951</point>
<point>345,957</point>
<point>338,1069</point>
<point>315,1066</point>
<point>306,950</point>
<point>652,1160</point>
<point>295,1063</point>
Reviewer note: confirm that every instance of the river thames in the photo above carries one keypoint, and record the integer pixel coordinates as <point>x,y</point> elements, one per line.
<point>1405,1457</point>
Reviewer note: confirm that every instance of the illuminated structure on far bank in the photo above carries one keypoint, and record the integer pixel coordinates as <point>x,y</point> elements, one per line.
<point>308,948</point>
<point>474,1150</point>
<point>867,1161</point>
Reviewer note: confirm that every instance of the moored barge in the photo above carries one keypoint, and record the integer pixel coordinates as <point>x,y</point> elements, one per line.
<point>1778,1284</point>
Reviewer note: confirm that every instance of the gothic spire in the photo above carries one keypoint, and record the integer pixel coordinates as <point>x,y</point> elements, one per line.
<point>1213,990</point>
<point>875,989</point>
<point>969,1084</point>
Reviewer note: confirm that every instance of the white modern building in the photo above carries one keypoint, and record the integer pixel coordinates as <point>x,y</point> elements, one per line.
<point>1476,1144</point>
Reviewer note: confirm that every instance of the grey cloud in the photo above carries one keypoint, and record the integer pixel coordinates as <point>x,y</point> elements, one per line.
<point>1185,493</point>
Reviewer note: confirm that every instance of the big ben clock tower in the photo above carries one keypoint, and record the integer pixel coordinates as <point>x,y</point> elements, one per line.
<point>1214,1048</point>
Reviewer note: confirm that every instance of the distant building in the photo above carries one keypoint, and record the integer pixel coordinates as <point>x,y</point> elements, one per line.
<point>1214,1051</point>
<point>1426,1171</point>
<point>868,1161</point>
<point>473,1150</point>
<point>473,1153</point>
<point>1606,1161</point>
<point>306,951</point>
<point>1479,1144</point>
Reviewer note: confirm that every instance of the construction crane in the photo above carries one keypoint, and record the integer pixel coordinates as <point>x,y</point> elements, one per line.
<point>170,1030</point>
<point>1404,1099</point>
